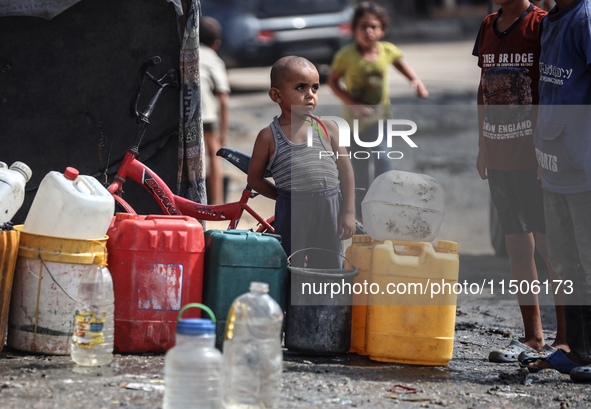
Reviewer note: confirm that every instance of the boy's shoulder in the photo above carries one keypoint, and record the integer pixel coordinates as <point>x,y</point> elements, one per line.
<point>489,19</point>
<point>536,13</point>
<point>265,134</point>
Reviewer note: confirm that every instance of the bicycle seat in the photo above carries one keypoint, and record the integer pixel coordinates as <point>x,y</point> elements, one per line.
<point>238,159</point>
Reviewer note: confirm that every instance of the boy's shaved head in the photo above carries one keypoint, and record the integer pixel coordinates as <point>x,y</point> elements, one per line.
<point>285,66</point>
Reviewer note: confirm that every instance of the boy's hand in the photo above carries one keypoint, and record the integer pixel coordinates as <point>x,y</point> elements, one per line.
<point>420,88</point>
<point>480,167</point>
<point>347,226</point>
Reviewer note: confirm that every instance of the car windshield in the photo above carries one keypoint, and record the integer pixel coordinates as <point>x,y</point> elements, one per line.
<point>274,8</point>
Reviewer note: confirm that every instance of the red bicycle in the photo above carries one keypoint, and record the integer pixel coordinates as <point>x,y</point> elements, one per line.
<point>170,203</point>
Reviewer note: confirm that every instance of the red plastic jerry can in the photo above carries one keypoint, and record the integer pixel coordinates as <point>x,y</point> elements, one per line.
<point>156,262</point>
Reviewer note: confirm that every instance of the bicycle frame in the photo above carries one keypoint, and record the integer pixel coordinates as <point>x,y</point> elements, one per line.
<point>169,202</point>
<point>176,205</point>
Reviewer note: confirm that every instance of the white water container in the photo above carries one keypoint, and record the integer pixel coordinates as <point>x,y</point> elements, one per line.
<point>403,206</point>
<point>12,189</point>
<point>70,206</point>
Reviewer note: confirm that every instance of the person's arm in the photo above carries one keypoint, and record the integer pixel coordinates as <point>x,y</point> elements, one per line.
<point>415,81</point>
<point>224,99</point>
<point>261,154</point>
<point>358,109</point>
<point>333,82</point>
<point>480,160</point>
<point>347,179</point>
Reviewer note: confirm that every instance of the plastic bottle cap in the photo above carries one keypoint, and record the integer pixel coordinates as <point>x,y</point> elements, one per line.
<point>22,168</point>
<point>195,326</point>
<point>125,216</point>
<point>448,246</point>
<point>71,173</point>
<point>99,259</point>
<point>259,287</point>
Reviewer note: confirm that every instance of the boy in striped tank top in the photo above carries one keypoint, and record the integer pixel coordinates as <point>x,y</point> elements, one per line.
<point>308,212</point>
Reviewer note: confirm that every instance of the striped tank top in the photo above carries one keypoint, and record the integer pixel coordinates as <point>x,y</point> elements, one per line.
<point>299,167</point>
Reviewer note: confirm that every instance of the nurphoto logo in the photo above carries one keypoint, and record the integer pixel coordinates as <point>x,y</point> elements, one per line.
<point>393,128</point>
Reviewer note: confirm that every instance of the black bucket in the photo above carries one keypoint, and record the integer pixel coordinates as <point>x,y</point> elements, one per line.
<point>318,324</point>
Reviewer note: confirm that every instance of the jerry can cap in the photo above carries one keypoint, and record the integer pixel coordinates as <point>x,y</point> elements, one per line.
<point>444,245</point>
<point>71,173</point>
<point>22,168</point>
<point>119,216</point>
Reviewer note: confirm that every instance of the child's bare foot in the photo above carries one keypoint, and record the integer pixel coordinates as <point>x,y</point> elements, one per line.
<point>561,360</point>
<point>561,346</point>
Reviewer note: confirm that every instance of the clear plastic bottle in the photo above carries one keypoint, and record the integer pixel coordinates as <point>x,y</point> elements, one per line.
<point>193,367</point>
<point>92,341</point>
<point>253,358</point>
<point>12,189</point>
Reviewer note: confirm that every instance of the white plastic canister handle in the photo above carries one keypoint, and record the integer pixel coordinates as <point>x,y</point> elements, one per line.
<point>82,180</point>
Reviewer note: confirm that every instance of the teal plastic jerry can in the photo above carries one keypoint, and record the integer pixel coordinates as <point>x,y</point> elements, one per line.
<point>235,258</point>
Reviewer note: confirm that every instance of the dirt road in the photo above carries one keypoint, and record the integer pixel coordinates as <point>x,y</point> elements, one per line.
<point>346,381</point>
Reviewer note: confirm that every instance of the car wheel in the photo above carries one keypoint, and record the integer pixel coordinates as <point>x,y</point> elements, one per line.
<point>497,236</point>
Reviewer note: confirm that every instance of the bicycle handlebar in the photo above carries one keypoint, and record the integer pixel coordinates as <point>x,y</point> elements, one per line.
<point>139,81</point>
<point>170,79</point>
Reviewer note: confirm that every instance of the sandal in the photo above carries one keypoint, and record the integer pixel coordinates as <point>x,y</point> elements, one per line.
<point>558,361</point>
<point>543,352</point>
<point>581,374</point>
<point>509,353</point>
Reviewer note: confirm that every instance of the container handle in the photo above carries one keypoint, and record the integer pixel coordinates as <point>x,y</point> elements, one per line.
<point>88,185</point>
<point>168,217</point>
<point>197,305</point>
<point>321,249</point>
<point>415,244</point>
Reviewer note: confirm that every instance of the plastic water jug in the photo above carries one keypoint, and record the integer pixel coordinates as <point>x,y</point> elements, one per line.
<point>12,189</point>
<point>234,259</point>
<point>193,367</point>
<point>415,323</point>
<point>253,358</point>
<point>71,206</point>
<point>359,252</point>
<point>403,206</point>
<point>92,341</point>
<point>157,266</point>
